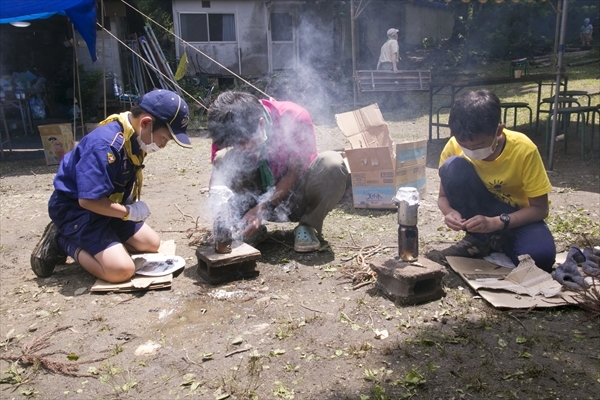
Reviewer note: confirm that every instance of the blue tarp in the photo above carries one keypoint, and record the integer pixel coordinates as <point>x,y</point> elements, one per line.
<point>82,14</point>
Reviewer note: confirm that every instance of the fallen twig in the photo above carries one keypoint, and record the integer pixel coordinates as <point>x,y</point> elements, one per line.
<point>29,357</point>
<point>238,351</point>
<point>188,359</point>
<point>518,320</point>
<point>362,284</point>
<point>311,309</point>
<point>185,215</point>
<point>352,237</point>
<point>280,242</point>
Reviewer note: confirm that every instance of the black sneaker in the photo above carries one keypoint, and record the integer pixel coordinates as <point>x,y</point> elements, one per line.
<point>47,254</point>
<point>469,247</point>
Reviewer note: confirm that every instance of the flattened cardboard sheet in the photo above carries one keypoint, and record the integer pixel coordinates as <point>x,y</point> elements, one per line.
<point>138,282</point>
<point>481,275</point>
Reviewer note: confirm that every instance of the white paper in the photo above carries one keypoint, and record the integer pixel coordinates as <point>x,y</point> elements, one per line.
<point>500,259</point>
<point>157,264</point>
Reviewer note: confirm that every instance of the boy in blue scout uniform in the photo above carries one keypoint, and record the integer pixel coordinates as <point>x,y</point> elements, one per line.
<point>96,212</point>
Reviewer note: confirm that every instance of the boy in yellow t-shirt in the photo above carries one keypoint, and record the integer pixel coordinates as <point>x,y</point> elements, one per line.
<point>493,185</point>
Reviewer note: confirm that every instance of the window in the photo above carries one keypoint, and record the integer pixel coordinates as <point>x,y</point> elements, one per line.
<point>207,27</point>
<point>282,27</point>
<point>206,4</point>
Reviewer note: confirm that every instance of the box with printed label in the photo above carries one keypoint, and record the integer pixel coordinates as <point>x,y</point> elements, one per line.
<point>57,140</point>
<point>378,167</point>
<point>411,158</point>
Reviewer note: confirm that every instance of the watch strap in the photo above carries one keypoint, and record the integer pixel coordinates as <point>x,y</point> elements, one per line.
<point>506,219</point>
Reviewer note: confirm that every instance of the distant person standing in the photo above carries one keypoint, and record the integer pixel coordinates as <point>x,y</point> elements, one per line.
<point>586,33</point>
<point>388,59</point>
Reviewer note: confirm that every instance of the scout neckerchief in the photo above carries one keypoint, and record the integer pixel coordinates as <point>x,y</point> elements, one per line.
<point>136,159</point>
<point>266,174</point>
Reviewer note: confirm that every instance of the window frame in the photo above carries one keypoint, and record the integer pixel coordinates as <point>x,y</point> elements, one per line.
<point>206,14</point>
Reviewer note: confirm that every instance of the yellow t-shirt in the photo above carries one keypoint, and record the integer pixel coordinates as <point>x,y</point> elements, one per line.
<point>515,176</point>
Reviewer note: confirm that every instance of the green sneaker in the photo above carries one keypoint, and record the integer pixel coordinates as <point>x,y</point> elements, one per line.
<point>305,239</point>
<point>47,255</point>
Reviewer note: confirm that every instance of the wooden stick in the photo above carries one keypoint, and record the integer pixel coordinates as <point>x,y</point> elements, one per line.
<point>238,351</point>
<point>185,215</point>
<point>279,241</point>
<point>352,237</point>
<point>311,309</point>
<point>362,284</point>
<point>518,320</point>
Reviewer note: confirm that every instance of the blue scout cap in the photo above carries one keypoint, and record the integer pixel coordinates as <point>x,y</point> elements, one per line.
<point>170,108</point>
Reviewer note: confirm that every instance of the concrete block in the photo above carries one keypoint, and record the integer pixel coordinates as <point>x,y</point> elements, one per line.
<point>216,268</point>
<point>410,283</point>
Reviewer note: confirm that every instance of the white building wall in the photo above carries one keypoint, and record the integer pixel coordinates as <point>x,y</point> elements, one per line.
<point>247,57</point>
<point>109,57</point>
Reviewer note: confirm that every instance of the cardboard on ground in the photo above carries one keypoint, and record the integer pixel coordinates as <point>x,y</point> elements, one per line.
<point>139,282</point>
<point>379,167</point>
<point>494,284</point>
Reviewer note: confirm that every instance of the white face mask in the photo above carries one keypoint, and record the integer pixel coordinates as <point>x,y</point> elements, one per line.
<point>481,154</point>
<point>148,148</point>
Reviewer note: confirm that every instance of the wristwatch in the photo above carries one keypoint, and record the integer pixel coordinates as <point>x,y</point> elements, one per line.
<point>506,219</point>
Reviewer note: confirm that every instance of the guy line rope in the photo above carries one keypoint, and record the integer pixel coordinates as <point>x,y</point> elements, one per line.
<point>151,66</point>
<point>197,50</point>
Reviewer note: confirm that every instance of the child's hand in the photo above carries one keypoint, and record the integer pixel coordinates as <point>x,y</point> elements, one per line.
<point>138,211</point>
<point>481,224</point>
<point>454,220</point>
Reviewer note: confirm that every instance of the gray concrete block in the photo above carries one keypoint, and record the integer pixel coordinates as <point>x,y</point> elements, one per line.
<point>409,283</point>
<point>216,268</point>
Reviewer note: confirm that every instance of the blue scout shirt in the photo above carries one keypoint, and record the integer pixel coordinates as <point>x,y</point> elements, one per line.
<point>98,166</point>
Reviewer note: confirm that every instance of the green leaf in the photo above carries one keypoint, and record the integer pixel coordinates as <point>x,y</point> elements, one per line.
<point>73,357</point>
<point>521,339</point>
<point>502,342</point>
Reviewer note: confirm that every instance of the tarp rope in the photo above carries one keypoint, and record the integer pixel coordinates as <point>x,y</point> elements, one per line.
<point>195,49</point>
<point>152,66</point>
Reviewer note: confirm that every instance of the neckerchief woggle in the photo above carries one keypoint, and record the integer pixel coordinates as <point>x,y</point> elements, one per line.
<point>136,159</point>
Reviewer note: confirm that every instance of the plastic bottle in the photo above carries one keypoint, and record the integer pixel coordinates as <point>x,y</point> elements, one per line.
<point>408,243</point>
<point>222,226</point>
<point>223,236</point>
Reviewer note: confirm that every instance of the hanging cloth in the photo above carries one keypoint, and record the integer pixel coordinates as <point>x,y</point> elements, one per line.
<point>136,159</point>
<point>183,66</point>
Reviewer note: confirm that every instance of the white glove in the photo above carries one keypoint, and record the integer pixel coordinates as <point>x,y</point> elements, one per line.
<point>138,211</point>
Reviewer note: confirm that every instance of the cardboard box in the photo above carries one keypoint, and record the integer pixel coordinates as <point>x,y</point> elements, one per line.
<point>411,158</point>
<point>57,140</point>
<point>379,167</point>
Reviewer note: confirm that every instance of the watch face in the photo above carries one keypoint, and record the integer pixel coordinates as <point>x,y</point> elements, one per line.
<point>504,217</point>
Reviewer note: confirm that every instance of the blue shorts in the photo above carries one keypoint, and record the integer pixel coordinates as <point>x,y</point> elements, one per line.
<point>87,230</point>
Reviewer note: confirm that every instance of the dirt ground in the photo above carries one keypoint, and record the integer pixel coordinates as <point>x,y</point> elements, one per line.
<point>297,331</point>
